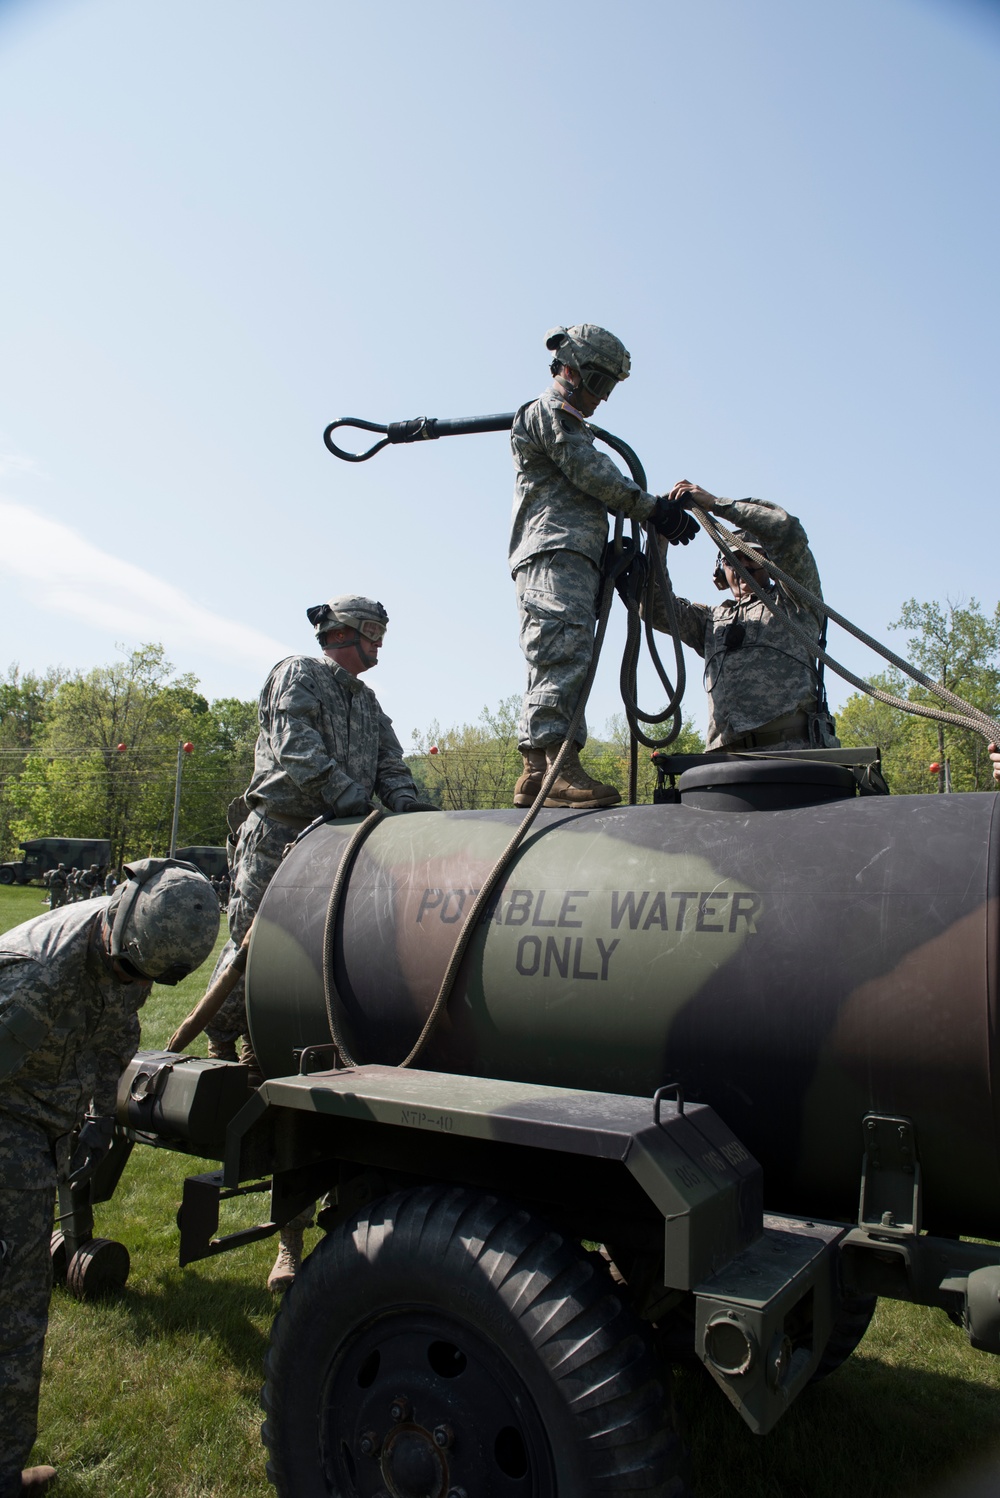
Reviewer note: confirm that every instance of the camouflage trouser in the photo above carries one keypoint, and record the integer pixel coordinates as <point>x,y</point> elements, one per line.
<point>557,602</point>
<point>259,847</point>
<point>25,1287</point>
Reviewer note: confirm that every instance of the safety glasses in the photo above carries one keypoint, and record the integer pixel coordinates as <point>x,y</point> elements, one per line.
<point>371,629</point>
<point>598,381</point>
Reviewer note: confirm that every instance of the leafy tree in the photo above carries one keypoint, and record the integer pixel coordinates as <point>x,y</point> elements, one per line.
<point>25,706</point>
<point>473,765</point>
<point>609,760</point>
<point>958,646</point>
<point>103,758</point>
<point>476,764</point>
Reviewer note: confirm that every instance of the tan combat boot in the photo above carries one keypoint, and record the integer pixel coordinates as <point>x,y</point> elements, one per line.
<point>574,787</point>
<point>527,786</point>
<point>37,1479</point>
<point>289,1260</point>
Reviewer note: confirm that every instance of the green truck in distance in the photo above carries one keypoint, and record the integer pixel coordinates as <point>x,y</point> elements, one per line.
<point>44,853</point>
<point>213,861</point>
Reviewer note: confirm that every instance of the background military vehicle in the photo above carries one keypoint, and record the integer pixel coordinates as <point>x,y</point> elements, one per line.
<point>743,1039</point>
<point>212,861</point>
<point>44,853</point>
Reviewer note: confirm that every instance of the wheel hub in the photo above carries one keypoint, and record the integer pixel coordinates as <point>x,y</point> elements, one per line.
<point>412,1465</point>
<point>418,1405</point>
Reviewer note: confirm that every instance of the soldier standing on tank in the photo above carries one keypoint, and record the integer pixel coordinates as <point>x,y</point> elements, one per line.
<point>324,748</point>
<point>71,985</point>
<point>564,489</point>
<point>762,681</point>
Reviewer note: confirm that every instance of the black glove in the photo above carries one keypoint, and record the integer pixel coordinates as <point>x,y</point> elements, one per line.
<point>673,522</point>
<point>631,580</point>
<point>407,801</point>
<point>352,802</point>
<point>92,1145</point>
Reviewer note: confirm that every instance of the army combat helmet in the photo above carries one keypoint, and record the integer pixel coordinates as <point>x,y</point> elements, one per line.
<point>350,611</point>
<point>164,919</point>
<point>601,359</point>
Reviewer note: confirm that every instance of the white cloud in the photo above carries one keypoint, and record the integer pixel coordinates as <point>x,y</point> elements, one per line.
<point>61,571</point>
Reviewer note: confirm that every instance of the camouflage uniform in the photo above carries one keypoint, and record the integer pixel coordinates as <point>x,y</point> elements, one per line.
<point>60,1001</point>
<point>762,682</point>
<point>563,491</point>
<point>321,730</point>
<point>56,881</point>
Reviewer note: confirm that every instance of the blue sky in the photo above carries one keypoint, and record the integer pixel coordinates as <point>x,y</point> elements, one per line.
<point>227,222</point>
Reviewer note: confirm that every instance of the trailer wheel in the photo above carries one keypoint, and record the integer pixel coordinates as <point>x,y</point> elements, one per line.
<point>852,1321</point>
<point>6,876</point>
<point>444,1343</point>
<point>58,1255</point>
<point>100,1267</point>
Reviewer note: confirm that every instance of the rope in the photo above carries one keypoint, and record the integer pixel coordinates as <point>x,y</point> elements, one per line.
<point>499,869</point>
<point>968,716</point>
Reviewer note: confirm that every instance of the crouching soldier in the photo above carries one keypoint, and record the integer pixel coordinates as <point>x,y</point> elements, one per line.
<point>71,984</point>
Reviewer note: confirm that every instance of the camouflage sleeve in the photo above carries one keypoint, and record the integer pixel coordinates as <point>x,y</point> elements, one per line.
<point>26,1012</point>
<point>782,534</point>
<point>298,744</point>
<point>116,1051</point>
<point>562,438</point>
<point>392,772</point>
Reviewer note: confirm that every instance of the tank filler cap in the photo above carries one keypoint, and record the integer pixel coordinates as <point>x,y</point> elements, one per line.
<point>764,785</point>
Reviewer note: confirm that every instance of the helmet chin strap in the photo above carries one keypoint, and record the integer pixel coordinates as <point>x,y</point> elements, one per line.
<point>358,643</point>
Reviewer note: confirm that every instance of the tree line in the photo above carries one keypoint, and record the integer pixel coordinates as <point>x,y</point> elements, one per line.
<point>93,754</point>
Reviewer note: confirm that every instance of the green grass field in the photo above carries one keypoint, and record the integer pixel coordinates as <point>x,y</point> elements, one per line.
<point>154,1394</point>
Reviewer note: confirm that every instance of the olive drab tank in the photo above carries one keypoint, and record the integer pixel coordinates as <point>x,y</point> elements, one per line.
<point>795,962</point>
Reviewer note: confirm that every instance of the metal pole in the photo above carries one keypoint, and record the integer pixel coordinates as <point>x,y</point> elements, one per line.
<point>177,801</point>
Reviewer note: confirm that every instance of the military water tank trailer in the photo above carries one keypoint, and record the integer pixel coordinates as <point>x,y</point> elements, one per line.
<point>744,1039</point>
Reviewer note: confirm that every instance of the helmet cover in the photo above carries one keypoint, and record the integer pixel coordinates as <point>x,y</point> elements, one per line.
<point>586,344</point>
<point>164,919</point>
<point>348,611</point>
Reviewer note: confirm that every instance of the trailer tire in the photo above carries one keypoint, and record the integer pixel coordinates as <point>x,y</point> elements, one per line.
<point>852,1321</point>
<point>445,1341</point>
<point>6,876</point>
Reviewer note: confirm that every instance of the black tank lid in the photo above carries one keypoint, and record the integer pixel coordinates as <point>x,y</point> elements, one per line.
<point>765,785</point>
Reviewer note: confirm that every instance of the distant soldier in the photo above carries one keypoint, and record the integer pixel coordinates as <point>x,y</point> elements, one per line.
<point>56,881</point>
<point>91,883</point>
<point>72,884</point>
<point>762,680</point>
<point>71,985</point>
<point>110,882</point>
<point>325,746</point>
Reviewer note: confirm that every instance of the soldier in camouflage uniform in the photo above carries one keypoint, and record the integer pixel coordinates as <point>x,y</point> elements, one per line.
<point>564,489</point>
<point>71,985</point>
<point>324,748</point>
<point>761,678</point>
<point>56,882</point>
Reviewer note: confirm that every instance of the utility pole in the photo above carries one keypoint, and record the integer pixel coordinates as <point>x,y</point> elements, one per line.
<point>182,749</point>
